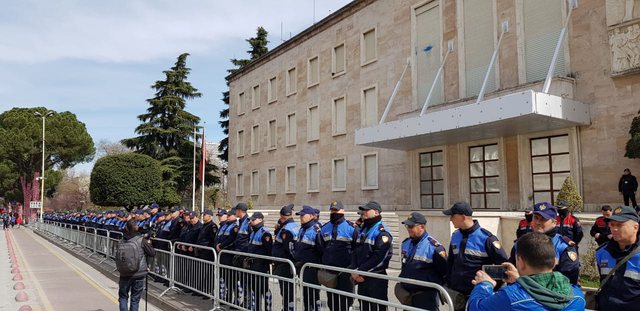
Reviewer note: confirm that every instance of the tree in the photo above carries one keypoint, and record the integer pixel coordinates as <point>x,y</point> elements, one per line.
<point>130,180</point>
<point>72,192</point>
<point>570,195</point>
<point>67,144</point>
<point>106,147</point>
<point>633,145</point>
<point>167,128</point>
<point>258,48</point>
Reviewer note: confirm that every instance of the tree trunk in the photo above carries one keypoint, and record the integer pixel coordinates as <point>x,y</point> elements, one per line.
<point>30,190</point>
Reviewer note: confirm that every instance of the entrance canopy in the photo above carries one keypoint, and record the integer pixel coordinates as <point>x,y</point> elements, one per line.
<point>516,113</point>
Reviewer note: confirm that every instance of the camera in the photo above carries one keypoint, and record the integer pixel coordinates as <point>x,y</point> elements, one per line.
<point>148,231</point>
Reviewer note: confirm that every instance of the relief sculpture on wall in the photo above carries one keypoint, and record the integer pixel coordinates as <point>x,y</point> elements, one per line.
<point>623,21</point>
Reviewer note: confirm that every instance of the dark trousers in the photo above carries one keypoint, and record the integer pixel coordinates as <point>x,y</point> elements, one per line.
<point>135,286</point>
<point>629,196</point>
<point>258,285</point>
<point>286,288</point>
<point>339,302</point>
<point>374,288</point>
<point>228,279</point>
<point>204,284</point>
<point>428,300</point>
<point>310,295</point>
<point>240,281</point>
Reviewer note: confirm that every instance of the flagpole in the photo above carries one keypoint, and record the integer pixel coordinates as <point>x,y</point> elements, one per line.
<point>193,195</point>
<point>204,165</point>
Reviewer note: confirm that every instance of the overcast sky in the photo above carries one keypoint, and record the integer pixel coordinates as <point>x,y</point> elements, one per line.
<point>98,59</point>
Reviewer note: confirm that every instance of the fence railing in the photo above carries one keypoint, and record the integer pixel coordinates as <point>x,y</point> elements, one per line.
<point>245,281</point>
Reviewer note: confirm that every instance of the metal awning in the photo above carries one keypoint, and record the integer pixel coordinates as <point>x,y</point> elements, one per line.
<point>517,113</point>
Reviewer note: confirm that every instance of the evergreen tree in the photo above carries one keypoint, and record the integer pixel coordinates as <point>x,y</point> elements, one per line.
<point>570,195</point>
<point>633,145</point>
<point>166,131</point>
<point>258,48</point>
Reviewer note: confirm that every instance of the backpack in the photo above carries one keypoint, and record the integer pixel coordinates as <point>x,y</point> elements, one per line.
<point>129,256</point>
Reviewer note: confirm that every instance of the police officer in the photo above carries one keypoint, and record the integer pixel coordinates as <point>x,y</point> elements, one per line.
<point>242,242</point>
<point>544,221</point>
<point>222,223</point>
<point>228,277</point>
<point>471,247</point>
<point>338,240</point>
<point>524,226</point>
<point>568,225</point>
<point>600,230</point>
<point>206,238</point>
<point>285,232</point>
<point>307,249</point>
<point>372,254</point>
<point>621,290</point>
<point>260,243</point>
<point>424,259</point>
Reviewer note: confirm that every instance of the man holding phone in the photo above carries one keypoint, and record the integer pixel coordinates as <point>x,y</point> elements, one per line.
<point>533,285</point>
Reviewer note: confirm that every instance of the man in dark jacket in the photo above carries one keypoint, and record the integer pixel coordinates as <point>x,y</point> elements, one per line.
<point>600,230</point>
<point>628,185</point>
<point>206,238</point>
<point>134,283</point>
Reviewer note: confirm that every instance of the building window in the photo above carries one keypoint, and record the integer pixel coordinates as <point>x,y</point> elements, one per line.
<point>313,124</point>
<point>239,185</point>
<point>272,90</point>
<point>271,181</point>
<point>542,22</point>
<point>370,171</point>
<point>240,147</point>
<point>484,176</point>
<point>292,82</point>
<point>339,116</point>
<point>478,45</point>
<point>339,175</point>
<point>290,181</point>
<point>313,177</point>
<point>369,107</point>
<point>241,104</point>
<point>338,60</point>
<point>368,47</point>
<point>272,138</point>
<point>427,33</point>
<point>292,129</point>
<point>313,72</point>
<point>255,183</point>
<point>255,97</point>
<point>431,180</point>
<point>550,166</point>
<point>255,139</point>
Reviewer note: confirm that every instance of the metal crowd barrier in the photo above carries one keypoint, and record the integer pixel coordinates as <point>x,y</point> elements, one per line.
<point>245,281</point>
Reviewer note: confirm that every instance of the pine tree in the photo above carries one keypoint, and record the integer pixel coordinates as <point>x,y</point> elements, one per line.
<point>633,145</point>
<point>570,195</point>
<point>258,48</point>
<point>166,131</point>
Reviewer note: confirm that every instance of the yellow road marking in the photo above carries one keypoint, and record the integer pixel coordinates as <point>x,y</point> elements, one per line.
<point>44,301</point>
<point>79,272</point>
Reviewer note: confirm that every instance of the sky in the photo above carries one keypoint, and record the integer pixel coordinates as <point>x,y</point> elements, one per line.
<point>98,59</point>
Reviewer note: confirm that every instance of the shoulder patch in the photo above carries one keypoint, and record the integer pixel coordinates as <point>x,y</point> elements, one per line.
<point>496,244</point>
<point>568,240</point>
<point>235,229</point>
<point>443,254</point>
<point>267,238</point>
<point>433,241</point>
<point>572,255</point>
<point>385,239</point>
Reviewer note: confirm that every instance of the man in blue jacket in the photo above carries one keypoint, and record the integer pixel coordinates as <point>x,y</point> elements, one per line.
<point>533,285</point>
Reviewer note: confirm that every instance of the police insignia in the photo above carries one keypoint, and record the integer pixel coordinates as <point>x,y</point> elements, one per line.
<point>496,244</point>
<point>573,256</point>
<point>267,238</point>
<point>385,239</point>
<point>617,210</point>
<point>443,254</point>
<point>542,207</point>
<point>235,229</point>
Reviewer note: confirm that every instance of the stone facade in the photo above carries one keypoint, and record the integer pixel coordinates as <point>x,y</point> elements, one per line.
<point>592,75</point>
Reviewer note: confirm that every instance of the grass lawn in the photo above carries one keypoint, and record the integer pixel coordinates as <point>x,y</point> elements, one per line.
<point>586,281</point>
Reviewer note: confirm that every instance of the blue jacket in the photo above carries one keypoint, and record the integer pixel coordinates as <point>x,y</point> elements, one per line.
<point>469,250</point>
<point>284,240</point>
<point>337,242</point>
<point>260,241</point>
<point>228,236</point>
<point>306,248</point>
<point>514,297</point>
<point>242,238</point>
<point>566,256</point>
<point>373,249</point>
<point>622,290</point>
<point>424,260</point>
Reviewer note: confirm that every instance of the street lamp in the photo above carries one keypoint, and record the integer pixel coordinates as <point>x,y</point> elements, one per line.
<point>43,116</point>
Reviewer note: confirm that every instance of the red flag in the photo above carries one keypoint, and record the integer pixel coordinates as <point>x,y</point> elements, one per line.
<point>203,160</point>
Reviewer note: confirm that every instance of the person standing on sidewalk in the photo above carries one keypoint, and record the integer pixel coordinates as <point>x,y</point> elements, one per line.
<point>133,282</point>
<point>628,185</point>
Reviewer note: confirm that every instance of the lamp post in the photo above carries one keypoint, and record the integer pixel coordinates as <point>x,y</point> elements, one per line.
<point>43,116</point>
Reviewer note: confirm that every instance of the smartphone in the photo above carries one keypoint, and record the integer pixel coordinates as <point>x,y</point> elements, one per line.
<point>496,272</point>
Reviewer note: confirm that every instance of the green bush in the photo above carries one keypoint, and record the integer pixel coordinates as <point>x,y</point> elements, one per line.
<point>130,180</point>
<point>633,145</point>
<point>570,195</point>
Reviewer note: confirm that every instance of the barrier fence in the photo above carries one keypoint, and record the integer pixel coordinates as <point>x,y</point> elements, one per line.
<point>250,282</point>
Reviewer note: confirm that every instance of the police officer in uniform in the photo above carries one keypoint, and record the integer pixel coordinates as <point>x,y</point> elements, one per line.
<point>544,221</point>
<point>285,232</point>
<point>600,230</point>
<point>524,226</point>
<point>568,225</point>
<point>471,247</point>
<point>424,259</point>
<point>222,223</point>
<point>206,238</point>
<point>338,240</point>
<point>372,254</point>
<point>242,242</point>
<point>621,292</point>
<point>260,243</point>
<point>228,277</point>
<point>307,249</point>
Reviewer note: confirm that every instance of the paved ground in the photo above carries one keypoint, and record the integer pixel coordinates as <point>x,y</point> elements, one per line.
<point>54,279</point>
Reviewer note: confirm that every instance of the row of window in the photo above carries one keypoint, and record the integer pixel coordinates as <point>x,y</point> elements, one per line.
<point>339,172</point>
<point>368,52</point>
<point>369,115</point>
